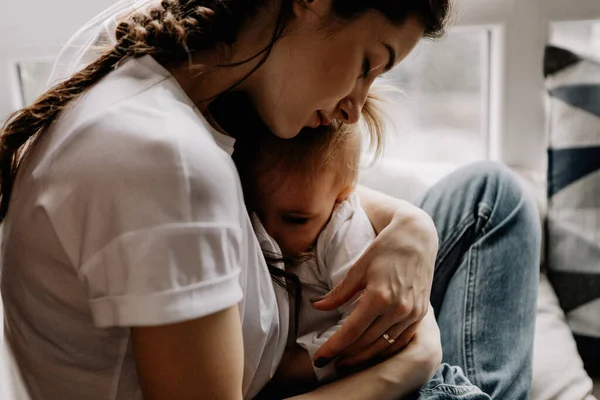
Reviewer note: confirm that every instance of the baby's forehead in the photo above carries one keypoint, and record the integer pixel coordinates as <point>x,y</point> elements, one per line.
<point>296,192</point>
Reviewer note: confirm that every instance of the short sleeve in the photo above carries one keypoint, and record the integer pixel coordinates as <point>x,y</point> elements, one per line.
<point>148,212</point>
<point>164,274</point>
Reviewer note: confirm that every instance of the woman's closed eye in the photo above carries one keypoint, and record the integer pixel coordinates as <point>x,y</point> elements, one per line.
<point>366,68</point>
<point>294,219</point>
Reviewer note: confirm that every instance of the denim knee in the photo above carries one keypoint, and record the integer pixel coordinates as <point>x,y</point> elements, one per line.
<point>505,197</point>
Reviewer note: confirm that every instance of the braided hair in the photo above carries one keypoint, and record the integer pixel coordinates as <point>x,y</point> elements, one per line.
<point>170,32</point>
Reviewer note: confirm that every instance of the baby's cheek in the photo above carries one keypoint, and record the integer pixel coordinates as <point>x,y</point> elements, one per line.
<point>298,241</point>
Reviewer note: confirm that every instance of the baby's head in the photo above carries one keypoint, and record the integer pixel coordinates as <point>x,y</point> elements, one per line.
<point>299,181</point>
<point>294,184</point>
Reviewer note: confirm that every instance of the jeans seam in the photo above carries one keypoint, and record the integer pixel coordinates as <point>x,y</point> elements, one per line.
<point>469,307</point>
<point>484,211</point>
<point>454,239</point>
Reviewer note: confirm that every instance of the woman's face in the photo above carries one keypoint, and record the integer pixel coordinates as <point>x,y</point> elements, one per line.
<point>319,71</point>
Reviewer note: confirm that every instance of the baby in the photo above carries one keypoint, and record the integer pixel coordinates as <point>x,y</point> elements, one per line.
<point>300,192</point>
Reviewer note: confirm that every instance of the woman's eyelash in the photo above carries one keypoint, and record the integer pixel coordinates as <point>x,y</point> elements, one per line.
<point>367,68</point>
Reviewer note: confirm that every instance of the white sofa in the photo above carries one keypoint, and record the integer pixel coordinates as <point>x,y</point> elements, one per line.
<point>558,372</point>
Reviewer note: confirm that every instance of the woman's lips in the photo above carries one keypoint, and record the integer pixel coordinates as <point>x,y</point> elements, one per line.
<point>321,119</point>
<point>317,121</point>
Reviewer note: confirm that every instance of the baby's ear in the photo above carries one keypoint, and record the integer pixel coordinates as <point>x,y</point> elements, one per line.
<point>344,194</point>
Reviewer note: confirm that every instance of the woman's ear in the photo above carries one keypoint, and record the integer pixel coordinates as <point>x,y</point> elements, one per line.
<point>312,11</point>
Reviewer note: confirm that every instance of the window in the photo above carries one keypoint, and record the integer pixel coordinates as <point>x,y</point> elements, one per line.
<point>32,76</point>
<point>442,114</point>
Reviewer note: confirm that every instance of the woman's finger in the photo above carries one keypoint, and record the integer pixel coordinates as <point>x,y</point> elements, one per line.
<point>369,337</point>
<point>367,310</point>
<point>344,291</point>
<point>426,332</point>
<point>401,341</point>
<point>387,323</point>
<point>402,316</point>
<point>388,341</point>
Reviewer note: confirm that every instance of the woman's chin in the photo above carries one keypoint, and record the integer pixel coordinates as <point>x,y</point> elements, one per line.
<point>286,132</point>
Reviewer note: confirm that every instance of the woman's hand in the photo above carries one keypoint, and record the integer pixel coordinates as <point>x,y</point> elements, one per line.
<point>395,274</point>
<point>400,375</point>
<point>424,350</point>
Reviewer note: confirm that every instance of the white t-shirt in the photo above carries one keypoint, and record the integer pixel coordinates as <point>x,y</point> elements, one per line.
<point>343,240</point>
<point>129,212</point>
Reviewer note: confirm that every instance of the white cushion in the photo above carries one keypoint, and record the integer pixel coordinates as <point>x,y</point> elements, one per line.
<point>558,372</point>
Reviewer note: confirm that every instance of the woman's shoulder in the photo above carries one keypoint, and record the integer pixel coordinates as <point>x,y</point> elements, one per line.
<point>132,149</point>
<point>131,125</point>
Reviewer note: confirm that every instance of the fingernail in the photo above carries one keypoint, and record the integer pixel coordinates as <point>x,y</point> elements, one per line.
<point>321,362</point>
<point>316,298</point>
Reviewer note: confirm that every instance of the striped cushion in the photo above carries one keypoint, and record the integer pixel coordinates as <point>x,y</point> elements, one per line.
<point>573,246</point>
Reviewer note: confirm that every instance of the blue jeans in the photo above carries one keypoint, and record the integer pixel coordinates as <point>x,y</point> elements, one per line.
<point>485,284</point>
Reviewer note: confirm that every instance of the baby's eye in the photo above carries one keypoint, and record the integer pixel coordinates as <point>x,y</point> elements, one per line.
<point>293,219</point>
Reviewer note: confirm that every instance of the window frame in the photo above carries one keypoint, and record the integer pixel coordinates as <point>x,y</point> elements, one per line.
<point>520,30</point>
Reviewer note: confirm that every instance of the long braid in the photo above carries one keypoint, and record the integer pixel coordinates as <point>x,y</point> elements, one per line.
<point>171,33</point>
<point>23,127</point>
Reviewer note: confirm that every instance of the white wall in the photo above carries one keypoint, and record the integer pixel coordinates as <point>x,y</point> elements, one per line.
<point>517,116</point>
<point>37,28</point>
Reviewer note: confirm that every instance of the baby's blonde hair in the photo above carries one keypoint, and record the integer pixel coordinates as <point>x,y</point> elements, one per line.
<point>334,148</point>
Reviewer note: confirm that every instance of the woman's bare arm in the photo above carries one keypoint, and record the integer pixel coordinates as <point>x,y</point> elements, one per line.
<point>382,209</point>
<point>395,274</point>
<point>197,359</point>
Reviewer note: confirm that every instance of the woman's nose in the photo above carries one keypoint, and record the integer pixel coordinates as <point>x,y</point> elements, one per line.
<point>349,111</point>
<point>351,107</point>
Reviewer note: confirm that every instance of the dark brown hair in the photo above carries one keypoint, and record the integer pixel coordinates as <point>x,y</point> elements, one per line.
<point>172,32</point>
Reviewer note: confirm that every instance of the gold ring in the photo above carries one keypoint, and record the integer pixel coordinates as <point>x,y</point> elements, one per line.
<point>388,338</point>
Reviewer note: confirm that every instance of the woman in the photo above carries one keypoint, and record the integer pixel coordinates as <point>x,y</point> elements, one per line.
<point>127,249</point>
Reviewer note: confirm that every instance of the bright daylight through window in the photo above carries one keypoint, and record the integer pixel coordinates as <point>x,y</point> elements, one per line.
<point>442,112</point>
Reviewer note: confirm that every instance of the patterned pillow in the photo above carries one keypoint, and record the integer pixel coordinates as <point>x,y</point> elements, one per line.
<point>573,224</point>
